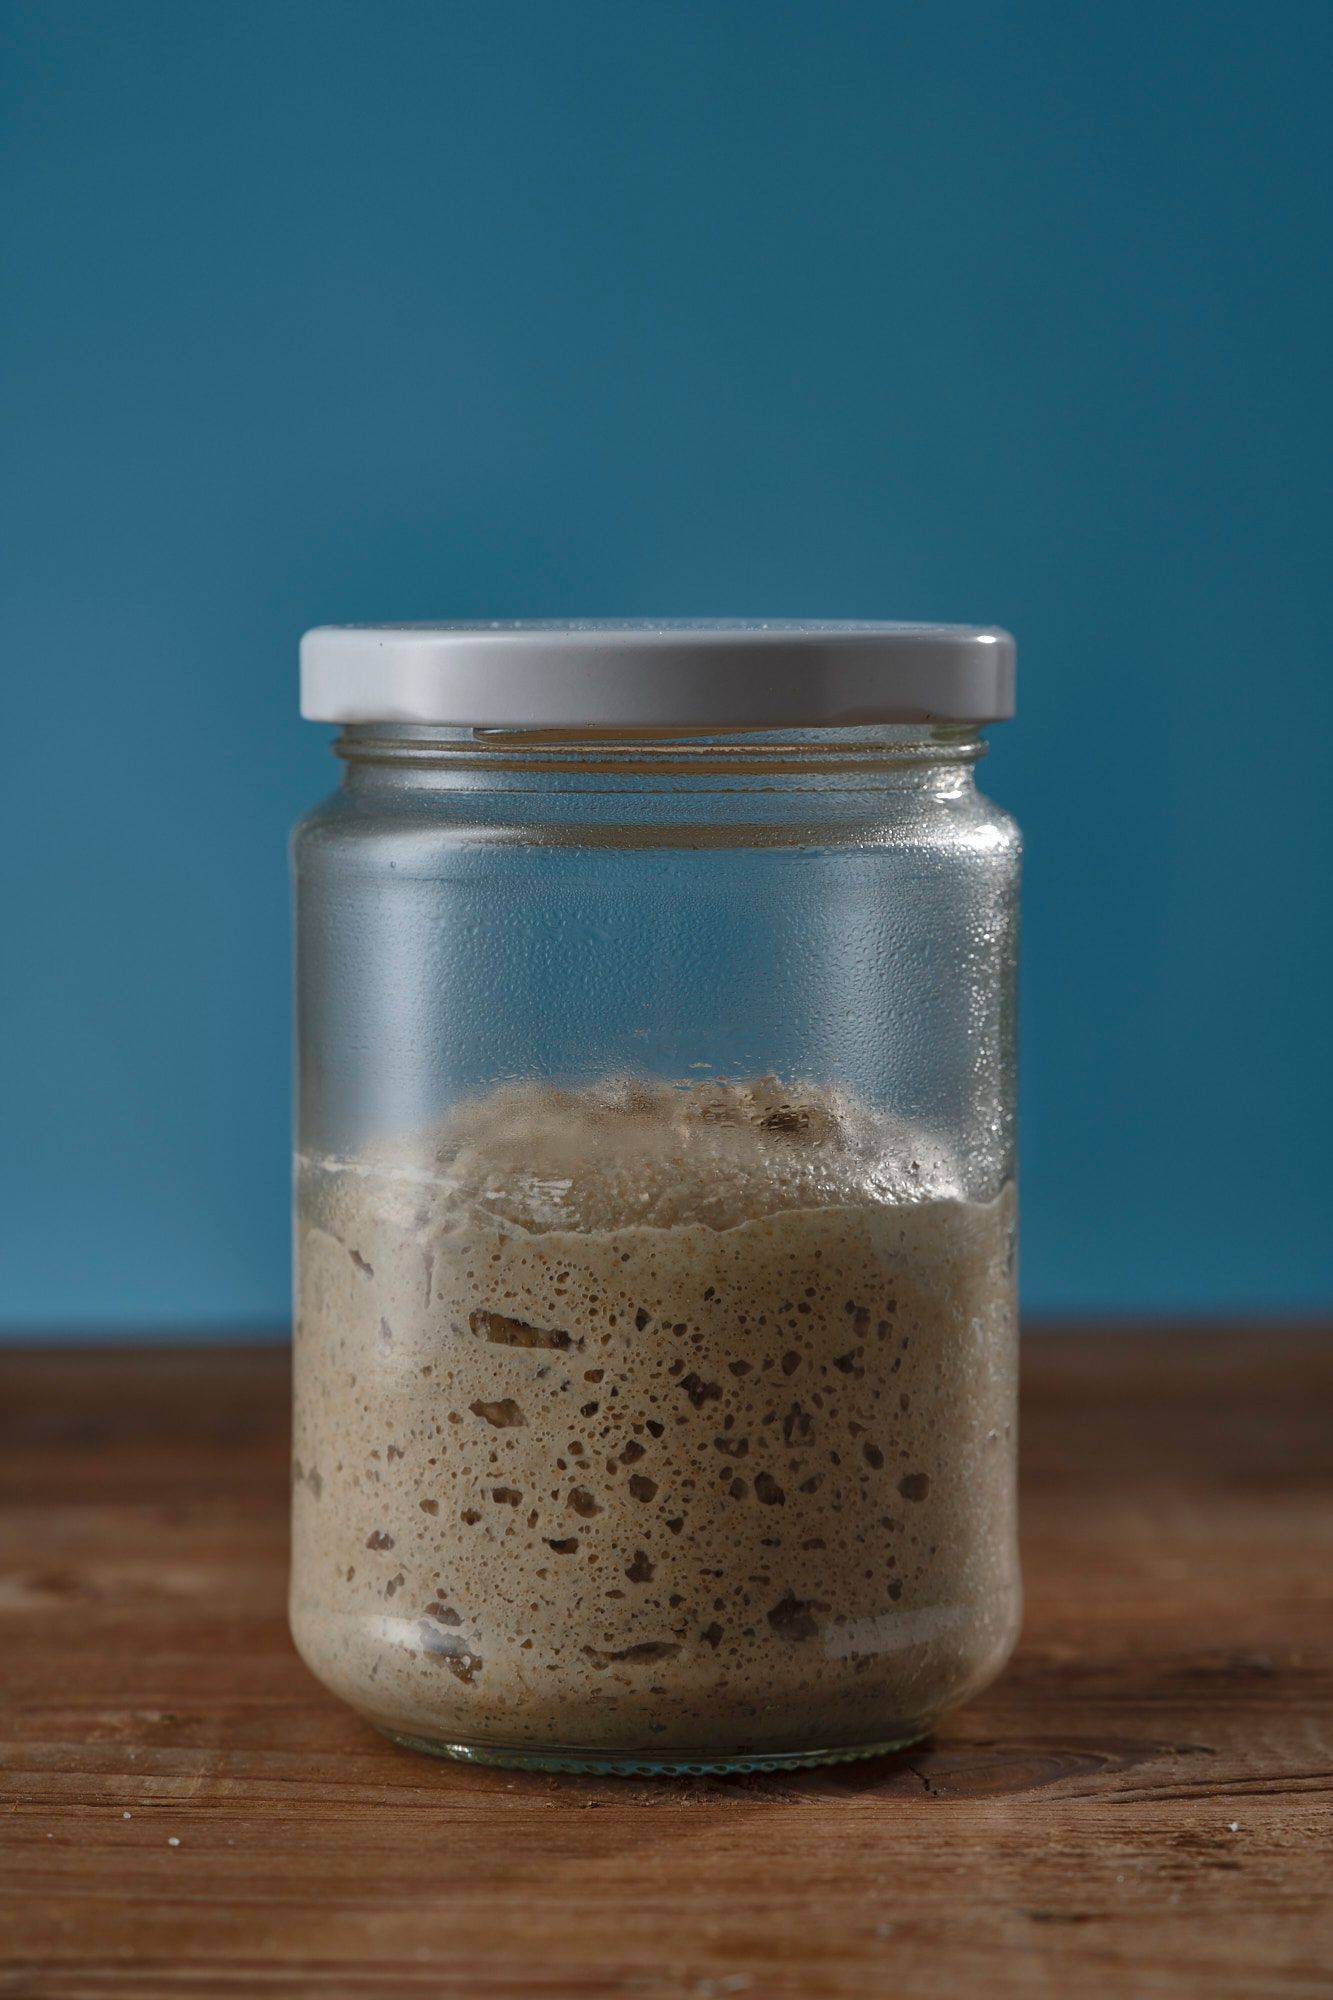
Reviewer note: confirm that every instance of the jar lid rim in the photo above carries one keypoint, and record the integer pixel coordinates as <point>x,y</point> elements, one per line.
<point>657,673</point>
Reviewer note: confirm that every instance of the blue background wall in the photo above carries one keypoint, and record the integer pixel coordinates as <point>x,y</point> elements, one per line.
<point>328,311</point>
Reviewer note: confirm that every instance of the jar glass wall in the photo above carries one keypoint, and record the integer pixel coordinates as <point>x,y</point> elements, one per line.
<point>655,1331</point>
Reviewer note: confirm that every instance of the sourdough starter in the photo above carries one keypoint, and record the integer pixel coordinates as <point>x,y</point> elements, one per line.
<point>654,1424</point>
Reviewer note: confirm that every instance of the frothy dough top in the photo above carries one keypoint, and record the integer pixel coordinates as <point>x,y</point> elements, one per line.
<point>630,1152</point>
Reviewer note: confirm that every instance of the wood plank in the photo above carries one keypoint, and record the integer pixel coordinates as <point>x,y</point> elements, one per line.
<point>1142,1806</point>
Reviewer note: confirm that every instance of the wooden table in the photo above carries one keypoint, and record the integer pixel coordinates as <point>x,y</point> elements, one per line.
<point>1140,1807</point>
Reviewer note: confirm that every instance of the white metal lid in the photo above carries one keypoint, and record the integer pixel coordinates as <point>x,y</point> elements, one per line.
<point>657,673</point>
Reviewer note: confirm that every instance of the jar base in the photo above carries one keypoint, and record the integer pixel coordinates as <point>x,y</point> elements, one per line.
<point>634,1764</point>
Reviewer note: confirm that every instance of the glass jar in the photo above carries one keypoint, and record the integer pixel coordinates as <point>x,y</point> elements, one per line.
<point>655,1350</point>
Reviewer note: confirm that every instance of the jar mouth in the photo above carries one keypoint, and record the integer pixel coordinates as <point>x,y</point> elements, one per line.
<point>675,752</point>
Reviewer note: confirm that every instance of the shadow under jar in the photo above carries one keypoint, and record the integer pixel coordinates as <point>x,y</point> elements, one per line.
<point>655,1353</point>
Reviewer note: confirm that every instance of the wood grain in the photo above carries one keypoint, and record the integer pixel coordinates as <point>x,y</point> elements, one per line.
<point>1141,1807</point>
